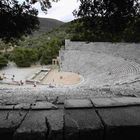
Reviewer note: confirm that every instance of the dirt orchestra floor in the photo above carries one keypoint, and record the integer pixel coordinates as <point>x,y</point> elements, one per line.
<point>56,77</point>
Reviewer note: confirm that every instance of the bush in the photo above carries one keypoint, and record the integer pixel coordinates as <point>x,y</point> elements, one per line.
<point>50,51</point>
<point>24,57</point>
<point>46,58</point>
<point>43,51</point>
<point>3,61</point>
<point>7,55</point>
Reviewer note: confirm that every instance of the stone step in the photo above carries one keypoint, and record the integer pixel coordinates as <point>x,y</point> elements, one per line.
<point>41,125</point>
<point>75,120</point>
<point>115,102</point>
<point>77,103</point>
<point>121,122</point>
<point>9,122</point>
<point>82,124</point>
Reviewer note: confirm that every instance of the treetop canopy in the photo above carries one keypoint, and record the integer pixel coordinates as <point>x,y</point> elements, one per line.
<point>19,19</point>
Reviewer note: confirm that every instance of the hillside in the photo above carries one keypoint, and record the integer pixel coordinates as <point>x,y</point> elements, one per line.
<point>61,33</point>
<point>47,24</point>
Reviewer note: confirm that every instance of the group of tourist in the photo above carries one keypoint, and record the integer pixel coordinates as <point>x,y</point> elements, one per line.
<point>20,83</point>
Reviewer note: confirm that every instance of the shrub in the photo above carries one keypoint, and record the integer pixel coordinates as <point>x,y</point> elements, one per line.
<point>3,61</point>
<point>24,57</point>
<point>50,51</point>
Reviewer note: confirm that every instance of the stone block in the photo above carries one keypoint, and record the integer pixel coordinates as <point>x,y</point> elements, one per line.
<point>127,101</point>
<point>77,103</point>
<point>112,102</point>
<point>6,107</point>
<point>104,102</point>
<point>41,125</point>
<point>9,121</point>
<point>55,120</point>
<point>121,122</point>
<point>33,127</point>
<point>24,106</point>
<point>43,106</point>
<point>82,124</point>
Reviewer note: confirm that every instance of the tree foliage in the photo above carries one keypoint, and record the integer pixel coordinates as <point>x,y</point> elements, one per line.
<point>109,20</point>
<point>50,51</point>
<point>3,61</point>
<point>44,53</point>
<point>45,4</point>
<point>19,19</point>
<point>24,57</point>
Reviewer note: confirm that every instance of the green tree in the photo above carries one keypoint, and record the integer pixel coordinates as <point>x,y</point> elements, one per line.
<point>106,20</point>
<point>50,51</point>
<point>24,57</point>
<point>17,19</point>
<point>3,61</point>
<point>45,4</point>
<point>46,57</point>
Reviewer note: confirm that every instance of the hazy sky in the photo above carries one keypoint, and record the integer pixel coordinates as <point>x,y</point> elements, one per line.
<point>61,10</point>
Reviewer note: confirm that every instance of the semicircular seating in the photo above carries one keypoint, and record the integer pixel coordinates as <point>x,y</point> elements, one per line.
<point>99,68</point>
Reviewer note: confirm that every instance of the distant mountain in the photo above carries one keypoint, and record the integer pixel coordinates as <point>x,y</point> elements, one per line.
<point>47,24</point>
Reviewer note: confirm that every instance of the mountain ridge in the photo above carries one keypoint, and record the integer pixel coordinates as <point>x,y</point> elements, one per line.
<point>46,25</point>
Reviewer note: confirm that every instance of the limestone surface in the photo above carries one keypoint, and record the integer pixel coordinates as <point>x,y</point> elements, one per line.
<point>33,127</point>
<point>9,122</point>
<point>43,105</point>
<point>81,124</point>
<point>112,102</point>
<point>77,103</point>
<point>121,123</point>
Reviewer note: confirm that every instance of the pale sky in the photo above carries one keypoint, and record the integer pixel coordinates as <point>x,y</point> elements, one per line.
<point>61,10</point>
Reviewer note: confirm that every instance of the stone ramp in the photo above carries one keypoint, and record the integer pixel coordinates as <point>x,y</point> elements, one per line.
<point>76,119</point>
